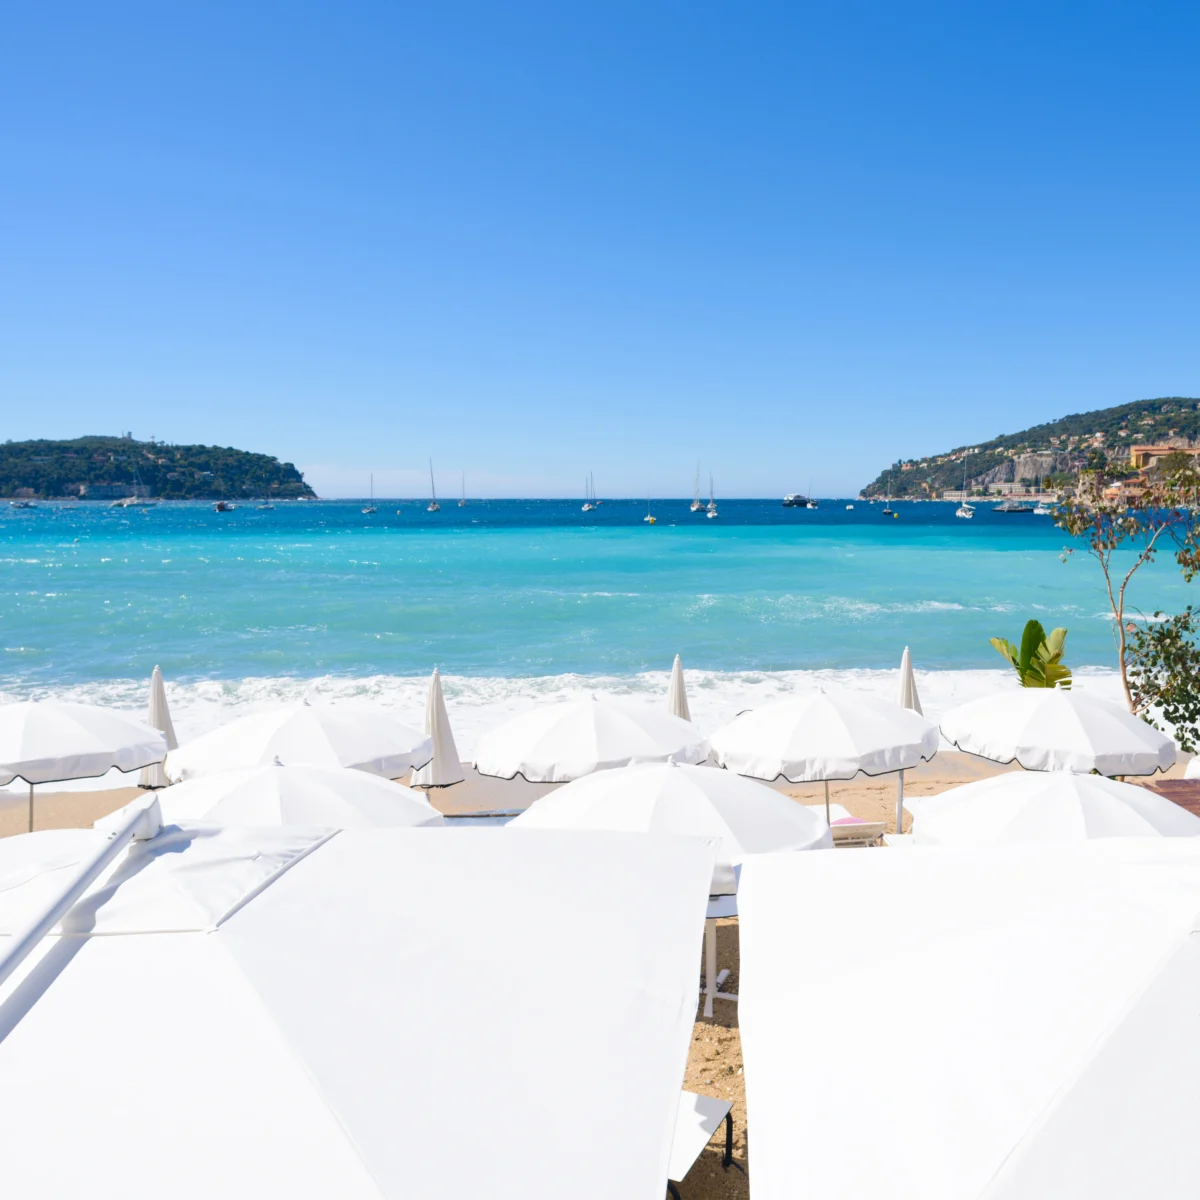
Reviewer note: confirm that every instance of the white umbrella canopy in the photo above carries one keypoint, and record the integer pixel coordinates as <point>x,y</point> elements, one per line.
<point>907,696</point>
<point>444,768</point>
<point>158,716</point>
<point>1052,729</point>
<point>677,701</point>
<point>556,743</point>
<point>825,735</point>
<point>1193,769</point>
<point>48,741</point>
<point>336,797</point>
<point>745,817</point>
<point>1047,806</point>
<point>340,735</point>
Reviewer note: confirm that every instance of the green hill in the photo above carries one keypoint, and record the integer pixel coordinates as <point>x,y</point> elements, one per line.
<point>103,467</point>
<point>1051,454</point>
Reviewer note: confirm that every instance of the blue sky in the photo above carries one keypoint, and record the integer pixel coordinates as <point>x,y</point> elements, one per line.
<point>794,242</point>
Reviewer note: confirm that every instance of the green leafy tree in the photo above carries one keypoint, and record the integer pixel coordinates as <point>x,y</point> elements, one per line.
<point>1139,521</point>
<point>1164,671</point>
<point>1038,660</point>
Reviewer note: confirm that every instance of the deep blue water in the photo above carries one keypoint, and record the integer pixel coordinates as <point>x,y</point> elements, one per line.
<point>532,588</point>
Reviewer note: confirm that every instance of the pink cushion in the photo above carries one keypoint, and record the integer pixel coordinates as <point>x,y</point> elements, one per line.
<point>850,821</point>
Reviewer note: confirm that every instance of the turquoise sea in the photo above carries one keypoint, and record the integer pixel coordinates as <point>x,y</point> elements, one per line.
<point>530,588</point>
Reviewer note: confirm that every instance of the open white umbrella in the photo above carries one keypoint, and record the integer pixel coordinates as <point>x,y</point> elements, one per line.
<point>444,768</point>
<point>340,735</point>
<point>1052,729</point>
<point>741,816</point>
<point>556,743</point>
<point>823,736</point>
<point>1047,806</point>
<point>158,716</point>
<point>907,696</point>
<point>277,795</point>
<point>677,701</point>
<point>1193,769</point>
<point>745,817</point>
<point>50,741</point>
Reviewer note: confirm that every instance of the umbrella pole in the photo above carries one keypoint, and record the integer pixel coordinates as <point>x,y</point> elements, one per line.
<point>900,802</point>
<point>827,821</point>
<point>31,808</point>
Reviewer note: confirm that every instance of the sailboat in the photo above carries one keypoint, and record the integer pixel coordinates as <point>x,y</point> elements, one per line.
<point>462,502</point>
<point>887,508</point>
<point>370,508</point>
<point>696,505</point>
<point>711,511</point>
<point>648,518</point>
<point>589,494</point>
<point>434,506</point>
<point>964,510</point>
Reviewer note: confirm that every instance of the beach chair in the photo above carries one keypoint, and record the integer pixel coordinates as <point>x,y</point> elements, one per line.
<point>718,906</point>
<point>698,1119</point>
<point>853,831</point>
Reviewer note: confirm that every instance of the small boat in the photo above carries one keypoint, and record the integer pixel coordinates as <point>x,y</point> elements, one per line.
<point>370,508</point>
<point>795,500</point>
<point>589,494</point>
<point>22,504</point>
<point>434,506</point>
<point>711,511</point>
<point>268,507</point>
<point>648,518</point>
<point>462,500</point>
<point>887,508</point>
<point>965,511</point>
<point>849,507</point>
<point>1012,506</point>
<point>224,506</point>
<point>1042,511</point>
<point>697,505</point>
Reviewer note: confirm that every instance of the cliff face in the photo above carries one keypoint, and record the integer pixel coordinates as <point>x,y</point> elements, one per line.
<point>1024,468</point>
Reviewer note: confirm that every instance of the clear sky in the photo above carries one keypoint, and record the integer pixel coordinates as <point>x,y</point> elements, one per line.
<point>795,242</point>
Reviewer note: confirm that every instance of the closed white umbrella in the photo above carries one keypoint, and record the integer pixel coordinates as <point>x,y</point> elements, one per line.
<point>556,743</point>
<point>444,768</point>
<point>677,701</point>
<point>1047,806</point>
<point>158,716</point>
<point>743,816</point>
<point>907,696</point>
<point>340,735</point>
<point>49,741</point>
<point>823,736</point>
<point>1193,769</point>
<point>279,795</point>
<point>1051,729</point>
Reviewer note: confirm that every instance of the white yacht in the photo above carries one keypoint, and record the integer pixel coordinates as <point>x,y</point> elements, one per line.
<point>649,518</point>
<point>711,511</point>
<point>589,494</point>
<point>697,504</point>
<point>1042,511</point>
<point>370,507</point>
<point>965,511</point>
<point>462,500</point>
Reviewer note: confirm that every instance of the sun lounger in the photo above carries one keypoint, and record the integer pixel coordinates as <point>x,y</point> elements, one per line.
<point>853,831</point>
<point>698,1120</point>
<point>718,906</point>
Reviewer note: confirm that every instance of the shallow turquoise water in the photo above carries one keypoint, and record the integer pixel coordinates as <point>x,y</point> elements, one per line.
<point>531,588</point>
